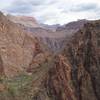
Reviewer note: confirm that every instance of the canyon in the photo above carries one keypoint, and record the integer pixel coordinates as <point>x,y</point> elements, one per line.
<point>39,62</point>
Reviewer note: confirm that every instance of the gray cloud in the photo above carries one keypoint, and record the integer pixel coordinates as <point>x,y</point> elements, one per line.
<point>55,11</point>
<point>40,2</point>
<point>19,7</point>
<point>84,7</point>
<point>24,6</point>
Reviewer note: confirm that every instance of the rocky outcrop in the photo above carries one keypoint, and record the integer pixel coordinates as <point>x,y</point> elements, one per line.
<point>24,20</point>
<point>76,74</point>
<point>17,48</point>
<point>59,84</point>
<point>11,41</point>
<point>87,55</point>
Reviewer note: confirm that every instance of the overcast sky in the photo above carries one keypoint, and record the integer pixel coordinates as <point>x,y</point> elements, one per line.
<point>53,11</point>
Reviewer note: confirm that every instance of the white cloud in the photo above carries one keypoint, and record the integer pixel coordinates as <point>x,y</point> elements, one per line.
<point>54,11</point>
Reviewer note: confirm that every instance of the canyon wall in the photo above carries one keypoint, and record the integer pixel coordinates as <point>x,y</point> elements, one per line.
<point>76,74</point>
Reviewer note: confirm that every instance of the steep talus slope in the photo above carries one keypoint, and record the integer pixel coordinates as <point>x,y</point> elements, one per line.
<point>76,74</point>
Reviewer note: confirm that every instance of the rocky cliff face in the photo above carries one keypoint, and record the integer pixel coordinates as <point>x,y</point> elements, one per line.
<point>24,20</point>
<point>76,74</point>
<point>23,62</point>
<point>17,47</point>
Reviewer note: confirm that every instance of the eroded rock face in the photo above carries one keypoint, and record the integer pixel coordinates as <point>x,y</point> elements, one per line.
<point>17,48</point>
<point>11,41</point>
<point>77,76</point>
<point>24,20</point>
<point>87,55</point>
<point>59,86</point>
